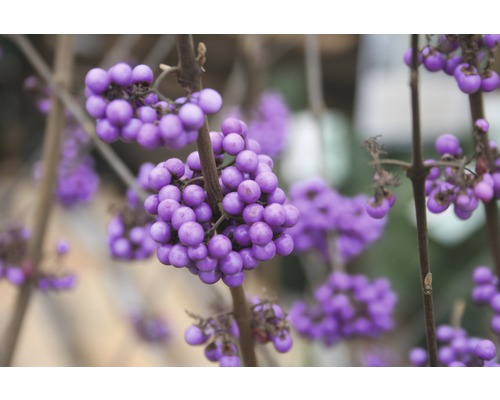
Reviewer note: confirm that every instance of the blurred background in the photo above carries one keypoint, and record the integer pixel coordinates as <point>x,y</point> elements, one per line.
<point>340,90</point>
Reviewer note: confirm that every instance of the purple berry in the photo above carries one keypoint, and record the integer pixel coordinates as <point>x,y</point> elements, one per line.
<point>485,349</point>
<point>119,112</point>
<point>195,336</point>
<point>191,233</point>
<point>233,144</point>
<point>448,144</point>
<point>219,246</point>
<point>97,80</point>
<point>210,101</point>
<point>121,74</point>
<point>142,74</point>
<point>490,82</point>
<point>191,116</point>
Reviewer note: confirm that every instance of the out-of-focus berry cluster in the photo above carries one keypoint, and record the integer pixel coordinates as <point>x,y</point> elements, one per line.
<point>457,349</point>
<point>468,58</point>
<point>330,219</point>
<point>128,231</point>
<point>126,106</point>
<point>15,267</point>
<point>486,293</point>
<point>151,328</point>
<point>346,307</point>
<point>254,213</point>
<point>269,123</point>
<point>219,333</point>
<point>77,180</point>
<point>458,185</point>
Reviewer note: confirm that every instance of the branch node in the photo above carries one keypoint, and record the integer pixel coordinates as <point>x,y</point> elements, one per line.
<point>428,283</point>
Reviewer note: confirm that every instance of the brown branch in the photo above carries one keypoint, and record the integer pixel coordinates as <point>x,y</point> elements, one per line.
<point>50,159</point>
<point>417,174</point>
<point>189,77</point>
<point>78,113</point>
<point>481,140</point>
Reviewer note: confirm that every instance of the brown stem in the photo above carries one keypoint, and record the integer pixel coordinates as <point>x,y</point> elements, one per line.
<point>50,159</point>
<point>243,319</point>
<point>417,173</point>
<point>481,140</point>
<point>189,77</point>
<point>78,113</point>
<point>314,79</point>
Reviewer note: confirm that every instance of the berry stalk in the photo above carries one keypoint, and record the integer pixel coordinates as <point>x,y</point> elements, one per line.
<point>189,76</point>
<point>50,159</point>
<point>481,141</point>
<point>417,174</point>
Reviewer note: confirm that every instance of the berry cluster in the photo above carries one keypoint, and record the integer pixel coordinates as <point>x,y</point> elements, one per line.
<point>77,180</point>
<point>126,106</point>
<point>220,333</point>
<point>254,215</point>
<point>469,58</point>
<point>268,323</point>
<point>269,123</point>
<point>327,216</point>
<point>15,267</point>
<point>151,328</point>
<point>128,231</point>
<point>455,184</point>
<point>346,306</point>
<point>486,293</point>
<point>457,349</point>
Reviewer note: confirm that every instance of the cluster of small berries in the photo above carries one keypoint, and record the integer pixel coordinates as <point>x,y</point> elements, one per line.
<point>326,216</point>
<point>77,180</point>
<point>128,231</point>
<point>268,324</point>
<point>345,307</point>
<point>254,217</point>
<point>15,267</point>
<point>457,349</point>
<point>126,106</point>
<point>455,184</point>
<point>486,293</point>
<point>469,58</point>
<point>151,328</point>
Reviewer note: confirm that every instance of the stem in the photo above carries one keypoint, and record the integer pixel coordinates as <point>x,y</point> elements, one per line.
<point>490,208</point>
<point>78,113</point>
<point>389,161</point>
<point>314,80</point>
<point>417,174</point>
<point>50,159</point>
<point>166,71</point>
<point>189,77</point>
<point>243,319</point>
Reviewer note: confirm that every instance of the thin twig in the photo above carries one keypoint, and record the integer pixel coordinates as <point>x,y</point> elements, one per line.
<point>314,79</point>
<point>490,207</point>
<point>417,173</point>
<point>166,71</point>
<point>189,77</point>
<point>50,159</point>
<point>314,76</point>
<point>78,113</point>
